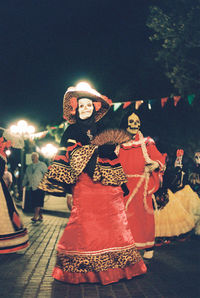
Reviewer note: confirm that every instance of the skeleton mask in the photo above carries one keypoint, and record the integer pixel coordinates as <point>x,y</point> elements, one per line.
<point>197,158</point>
<point>85,108</point>
<point>133,124</point>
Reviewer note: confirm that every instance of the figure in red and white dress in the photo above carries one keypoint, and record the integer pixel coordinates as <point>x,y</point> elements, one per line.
<point>97,244</point>
<point>13,234</point>
<point>144,166</point>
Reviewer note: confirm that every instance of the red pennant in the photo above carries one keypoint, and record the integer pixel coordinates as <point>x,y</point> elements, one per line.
<point>163,101</point>
<point>126,104</point>
<point>179,152</point>
<point>176,100</point>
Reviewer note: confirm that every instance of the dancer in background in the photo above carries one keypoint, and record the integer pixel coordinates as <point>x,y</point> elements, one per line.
<point>194,173</point>
<point>144,166</point>
<point>13,234</point>
<point>97,244</point>
<point>181,214</point>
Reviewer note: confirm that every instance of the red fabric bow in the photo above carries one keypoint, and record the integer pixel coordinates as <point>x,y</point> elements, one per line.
<point>74,105</point>
<point>3,146</point>
<point>97,105</point>
<point>179,152</point>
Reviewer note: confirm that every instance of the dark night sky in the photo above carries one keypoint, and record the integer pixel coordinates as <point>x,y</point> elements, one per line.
<point>47,46</point>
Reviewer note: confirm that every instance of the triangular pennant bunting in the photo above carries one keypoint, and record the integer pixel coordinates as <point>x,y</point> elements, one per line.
<point>191,98</point>
<point>126,104</point>
<point>138,104</point>
<point>116,105</point>
<point>163,101</point>
<point>150,101</point>
<point>176,100</point>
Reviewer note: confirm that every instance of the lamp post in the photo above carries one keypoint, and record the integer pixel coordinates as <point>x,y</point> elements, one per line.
<point>23,130</point>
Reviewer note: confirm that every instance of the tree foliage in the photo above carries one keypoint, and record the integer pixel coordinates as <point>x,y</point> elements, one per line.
<point>175,26</point>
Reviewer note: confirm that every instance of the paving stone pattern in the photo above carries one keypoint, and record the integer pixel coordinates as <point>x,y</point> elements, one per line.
<point>174,271</point>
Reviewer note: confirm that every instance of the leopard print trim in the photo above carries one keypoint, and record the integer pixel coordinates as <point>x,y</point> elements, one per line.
<point>97,262</point>
<point>61,173</point>
<point>80,157</point>
<point>48,186</point>
<point>109,175</point>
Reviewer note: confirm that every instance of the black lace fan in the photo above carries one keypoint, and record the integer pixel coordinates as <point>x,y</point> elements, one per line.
<point>111,136</point>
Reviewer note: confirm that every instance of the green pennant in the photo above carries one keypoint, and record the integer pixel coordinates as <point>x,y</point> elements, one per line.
<point>191,98</point>
<point>116,105</point>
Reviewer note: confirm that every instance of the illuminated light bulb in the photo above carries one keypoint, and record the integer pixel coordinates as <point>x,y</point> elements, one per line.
<point>30,129</point>
<point>83,86</point>
<point>8,152</point>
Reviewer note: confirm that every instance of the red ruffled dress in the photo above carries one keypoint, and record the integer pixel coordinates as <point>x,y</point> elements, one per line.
<point>97,244</point>
<point>140,212</point>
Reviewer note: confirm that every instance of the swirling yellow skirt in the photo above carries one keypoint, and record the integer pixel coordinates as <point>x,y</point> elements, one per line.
<point>177,217</point>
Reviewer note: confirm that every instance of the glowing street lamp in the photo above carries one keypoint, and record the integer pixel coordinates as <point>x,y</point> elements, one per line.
<point>8,152</point>
<point>49,150</point>
<point>23,130</point>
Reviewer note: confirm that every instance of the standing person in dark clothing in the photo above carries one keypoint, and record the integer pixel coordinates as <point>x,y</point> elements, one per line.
<point>33,176</point>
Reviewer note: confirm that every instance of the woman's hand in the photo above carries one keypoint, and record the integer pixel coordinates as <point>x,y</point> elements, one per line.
<point>69,201</point>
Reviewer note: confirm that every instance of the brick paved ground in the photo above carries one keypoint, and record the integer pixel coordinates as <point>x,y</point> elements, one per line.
<point>174,272</point>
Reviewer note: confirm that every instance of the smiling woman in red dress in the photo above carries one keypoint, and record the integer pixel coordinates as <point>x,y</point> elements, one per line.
<point>97,244</point>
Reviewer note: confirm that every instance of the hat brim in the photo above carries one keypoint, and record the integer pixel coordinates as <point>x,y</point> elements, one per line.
<point>67,108</point>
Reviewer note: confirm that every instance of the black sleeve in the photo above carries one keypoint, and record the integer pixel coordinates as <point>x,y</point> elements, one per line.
<point>67,135</point>
<point>125,189</point>
<point>2,166</point>
<point>90,167</point>
<point>107,151</point>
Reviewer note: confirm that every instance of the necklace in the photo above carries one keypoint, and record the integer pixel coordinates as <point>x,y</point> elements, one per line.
<point>90,136</point>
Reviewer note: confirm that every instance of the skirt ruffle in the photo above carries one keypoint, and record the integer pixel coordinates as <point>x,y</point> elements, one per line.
<point>191,202</point>
<point>13,234</point>
<point>14,242</point>
<point>173,219</point>
<point>103,277</point>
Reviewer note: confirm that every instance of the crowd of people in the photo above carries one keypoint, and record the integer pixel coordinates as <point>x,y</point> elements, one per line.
<point>125,196</point>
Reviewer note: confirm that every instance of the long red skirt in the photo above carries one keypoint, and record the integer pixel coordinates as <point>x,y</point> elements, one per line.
<point>141,221</point>
<point>97,244</point>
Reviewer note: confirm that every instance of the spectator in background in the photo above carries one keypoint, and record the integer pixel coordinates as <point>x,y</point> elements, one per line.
<point>7,177</point>
<point>33,175</point>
